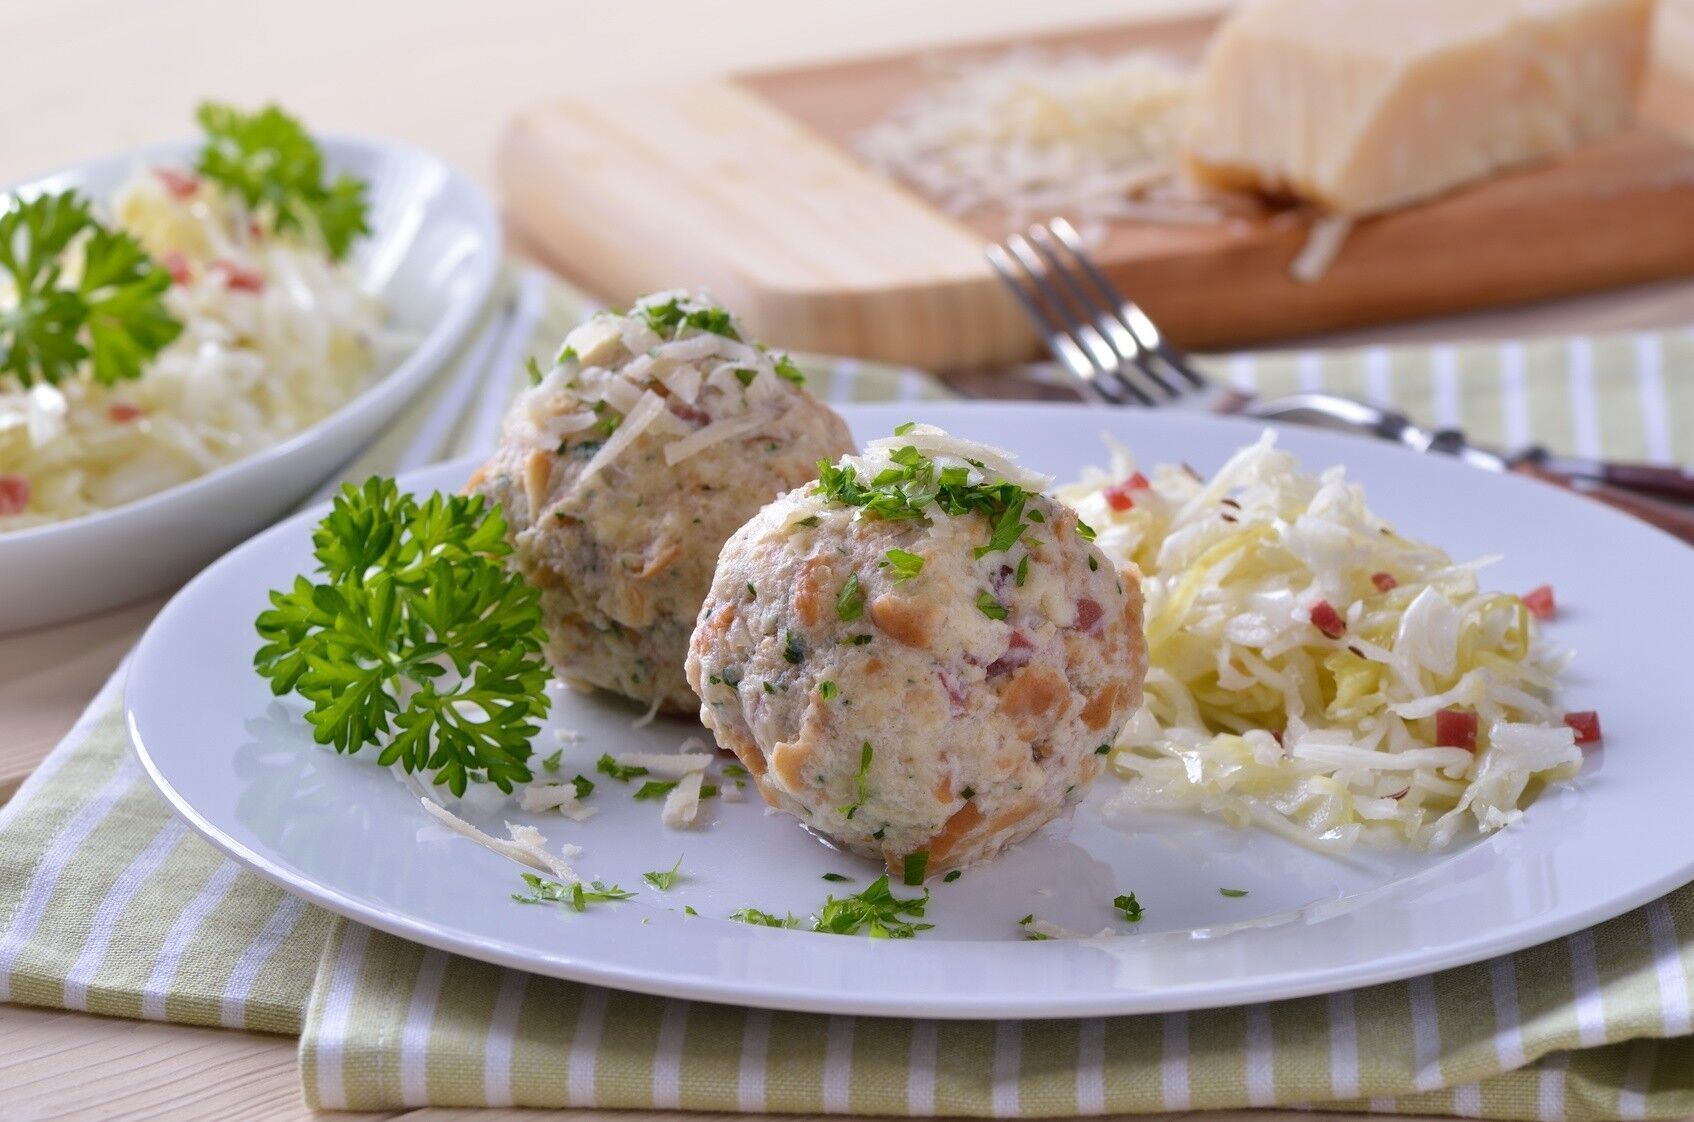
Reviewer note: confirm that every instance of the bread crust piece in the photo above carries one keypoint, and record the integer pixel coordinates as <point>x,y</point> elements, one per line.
<point>982,730</point>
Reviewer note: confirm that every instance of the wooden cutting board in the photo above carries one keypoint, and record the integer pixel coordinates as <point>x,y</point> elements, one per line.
<point>748,186</point>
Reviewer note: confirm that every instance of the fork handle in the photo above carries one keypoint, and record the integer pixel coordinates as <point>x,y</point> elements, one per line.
<point>1664,480</point>
<point>1677,521</point>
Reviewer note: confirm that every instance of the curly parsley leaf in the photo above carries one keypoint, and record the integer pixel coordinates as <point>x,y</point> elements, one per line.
<point>268,159</point>
<point>1129,907</point>
<point>413,637</point>
<point>112,316</point>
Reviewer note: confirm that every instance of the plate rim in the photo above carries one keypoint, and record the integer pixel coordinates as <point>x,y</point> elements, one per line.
<point>892,955</point>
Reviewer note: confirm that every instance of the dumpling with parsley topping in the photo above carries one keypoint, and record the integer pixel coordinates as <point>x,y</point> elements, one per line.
<point>921,656</point>
<point>624,468</point>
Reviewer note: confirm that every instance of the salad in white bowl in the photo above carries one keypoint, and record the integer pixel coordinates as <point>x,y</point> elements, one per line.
<point>191,338</point>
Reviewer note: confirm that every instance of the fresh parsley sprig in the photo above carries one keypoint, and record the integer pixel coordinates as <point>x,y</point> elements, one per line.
<point>112,316</point>
<point>269,160</point>
<point>413,637</point>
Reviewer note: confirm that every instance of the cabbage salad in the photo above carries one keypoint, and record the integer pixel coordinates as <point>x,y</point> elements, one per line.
<point>1316,674</point>
<point>272,330</point>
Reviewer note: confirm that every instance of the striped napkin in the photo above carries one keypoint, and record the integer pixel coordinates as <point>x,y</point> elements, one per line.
<point>109,904</point>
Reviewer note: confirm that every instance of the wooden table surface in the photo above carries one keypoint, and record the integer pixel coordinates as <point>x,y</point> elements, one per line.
<point>86,77</point>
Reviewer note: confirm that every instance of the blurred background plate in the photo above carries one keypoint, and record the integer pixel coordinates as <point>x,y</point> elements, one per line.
<point>432,256</point>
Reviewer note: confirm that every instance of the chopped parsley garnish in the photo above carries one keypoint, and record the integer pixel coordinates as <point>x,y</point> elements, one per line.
<point>1032,936</point>
<point>793,649</point>
<point>876,911</point>
<point>1023,570</point>
<point>1232,892</point>
<point>905,565</point>
<point>879,832</point>
<point>763,919</point>
<point>1103,750</point>
<point>551,763</point>
<point>688,910</point>
<point>953,875</point>
<point>968,793</point>
<point>731,676</point>
<point>404,591</point>
<point>786,370</point>
<point>903,429</point>
<point>113,317</point>
<point>827,690</point>
<point>990,607</point>
<point>663,880</point>
<point>1093,565</point>
<point>914,866</point>
<point>1129,906</point>
<point>850,601</point>
<point>533,369</point>
<point>913,482</point>
<point>836,877</point>
<point>605,765</point>
<point>752,593</point>
<point>1008,528</point>
<point>859,640</point>
<point>745,376</point>
<point>656,788</point>
<point>735,771</point>
<point>577,897</point>
<point>1084,530</point>
<point>671,317</point>
<point>566,354</point>
<point>269,160</point>
<point>861,781</point>
<point>583,786</point>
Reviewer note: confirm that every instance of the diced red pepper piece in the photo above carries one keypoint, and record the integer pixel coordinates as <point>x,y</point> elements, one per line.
<point>177,266</point>
<point>1327,620</point>
<point>179,184</point>
<point>1456,728</point>
<point>122,411</point>
<point>1118,494</point>
<point>1540,603</point>
<point>239,279</point>
<point>14,494</point>
<point>1586,724</point>
<point>1384,582</point>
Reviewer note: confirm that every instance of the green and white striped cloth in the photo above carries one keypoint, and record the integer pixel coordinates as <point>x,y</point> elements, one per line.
<point>109,904</point>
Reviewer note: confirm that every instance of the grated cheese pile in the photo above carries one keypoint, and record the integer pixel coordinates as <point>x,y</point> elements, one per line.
<point>1091,137</point>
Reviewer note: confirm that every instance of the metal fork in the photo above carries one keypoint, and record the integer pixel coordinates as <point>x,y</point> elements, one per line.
<point>1118,356</point>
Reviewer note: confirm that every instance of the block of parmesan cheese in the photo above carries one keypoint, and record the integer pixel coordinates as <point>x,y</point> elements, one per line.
<point>1667,100</point>
<point>1365,105</point>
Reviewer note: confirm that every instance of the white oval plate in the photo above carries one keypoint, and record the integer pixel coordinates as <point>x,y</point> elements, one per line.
<point>432,255</point>
<point>240,766</point>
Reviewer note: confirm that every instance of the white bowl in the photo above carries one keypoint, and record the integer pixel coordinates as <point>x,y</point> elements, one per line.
<point>433,254</point>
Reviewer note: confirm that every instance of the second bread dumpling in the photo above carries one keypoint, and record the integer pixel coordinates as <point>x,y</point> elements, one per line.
<point>921,656</point>
<point>624,468</point>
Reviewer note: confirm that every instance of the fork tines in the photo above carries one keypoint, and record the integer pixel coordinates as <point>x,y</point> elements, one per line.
<point>1101,337</point>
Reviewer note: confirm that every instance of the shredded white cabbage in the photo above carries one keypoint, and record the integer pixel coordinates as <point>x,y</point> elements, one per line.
<point>1255,713</point>
<point>276,336</point>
